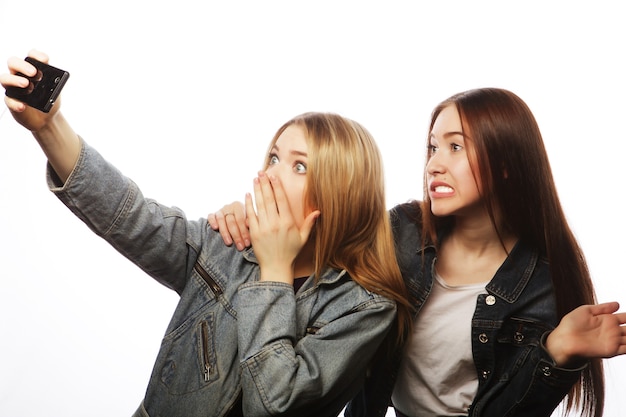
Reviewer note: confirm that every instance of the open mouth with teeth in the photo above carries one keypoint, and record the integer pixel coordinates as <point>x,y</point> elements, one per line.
<point>443,189</point>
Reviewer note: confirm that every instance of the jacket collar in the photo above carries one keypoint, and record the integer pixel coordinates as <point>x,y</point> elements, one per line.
<point>513,275</point>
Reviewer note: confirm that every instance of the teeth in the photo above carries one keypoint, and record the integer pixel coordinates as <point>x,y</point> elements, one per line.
<point>443,189</point>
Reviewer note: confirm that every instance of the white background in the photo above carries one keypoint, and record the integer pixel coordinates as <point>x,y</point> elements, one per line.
<point>184,96</point>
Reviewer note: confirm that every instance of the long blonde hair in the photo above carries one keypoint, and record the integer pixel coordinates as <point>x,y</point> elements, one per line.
<point>345,181</point>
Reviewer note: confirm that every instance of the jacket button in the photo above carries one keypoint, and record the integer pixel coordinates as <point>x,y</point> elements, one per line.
<point>485,374</point>
<point>483,338</point>
<point>490,300</point>
<point>546,371</point>
<point>518,337</point>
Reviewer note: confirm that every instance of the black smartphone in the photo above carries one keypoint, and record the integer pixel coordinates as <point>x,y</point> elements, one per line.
<point>44,87</point>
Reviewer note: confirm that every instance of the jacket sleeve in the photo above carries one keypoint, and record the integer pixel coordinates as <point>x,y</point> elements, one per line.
<point>535,390</point>
<point>156,238</point>
<point>319,372</point>
<point>374,398</point>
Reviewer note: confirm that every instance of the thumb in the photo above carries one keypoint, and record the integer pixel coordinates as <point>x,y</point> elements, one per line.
<point>307,226</point>
<point>605,308</point>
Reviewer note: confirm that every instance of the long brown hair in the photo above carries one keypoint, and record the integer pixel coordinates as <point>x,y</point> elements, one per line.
<point>507,154</point>
<point>345,182</point>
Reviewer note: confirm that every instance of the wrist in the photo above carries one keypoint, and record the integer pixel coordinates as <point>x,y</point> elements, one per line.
<point>60,144</point>
<point>277,273</point>
<point>562,350</point>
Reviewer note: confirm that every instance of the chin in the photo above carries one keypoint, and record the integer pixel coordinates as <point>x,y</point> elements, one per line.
<point>439,210</point>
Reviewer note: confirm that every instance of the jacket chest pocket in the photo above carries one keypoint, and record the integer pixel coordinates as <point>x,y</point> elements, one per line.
<point>514,340</point>
<point>521,332</point>
<point>213,286</point>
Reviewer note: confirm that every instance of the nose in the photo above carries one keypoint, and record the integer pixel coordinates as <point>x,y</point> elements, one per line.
<point>435,164</point>
<point>274,170</point>
<point>271,169</point>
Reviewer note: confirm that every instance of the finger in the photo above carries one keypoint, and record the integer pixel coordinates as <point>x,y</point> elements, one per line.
<point>39,55</point>
<point>258,199</point>
<point>280,198</point>
<point>265,201</point>
<point>220,223</point>
<point>14,105</point>
<point>212,220</point>
<point>235,208</point>
<point>14,80</point>
<point>269,199</point>
<point>252,217</point>
<point>19,65</point>
<point>234,230</point>
<point>604,308</point>
<point>229,229</point>
<point>243,236</point>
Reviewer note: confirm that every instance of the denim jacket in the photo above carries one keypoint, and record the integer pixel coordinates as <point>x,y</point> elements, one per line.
<point>516,375</point>
<point>233,341</point>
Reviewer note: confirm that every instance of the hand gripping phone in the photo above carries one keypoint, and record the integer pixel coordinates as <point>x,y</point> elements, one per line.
<point>44,87</point>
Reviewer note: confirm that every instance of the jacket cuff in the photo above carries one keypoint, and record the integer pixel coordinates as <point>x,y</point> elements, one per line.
<point>548,365</point>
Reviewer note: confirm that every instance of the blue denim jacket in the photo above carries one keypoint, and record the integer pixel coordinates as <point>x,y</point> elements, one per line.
<point>515,373</point>
<point>233,341</point>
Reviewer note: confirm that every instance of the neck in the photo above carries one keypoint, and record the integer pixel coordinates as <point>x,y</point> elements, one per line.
<point>478,234</point>
<point>473,253</point>
<point>481,240</point>
<point>304,264</point>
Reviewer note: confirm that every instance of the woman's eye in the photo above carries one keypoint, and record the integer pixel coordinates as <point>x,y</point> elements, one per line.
<point>273,160</point>
<point>456,147</point>
<point>432,149</point>
<point>300,168</point>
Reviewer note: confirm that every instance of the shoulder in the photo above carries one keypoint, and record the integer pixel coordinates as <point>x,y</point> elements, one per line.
<point>406,223</point>
<point>338,285</point>
<point>409,212</point>
<point>406,217</point>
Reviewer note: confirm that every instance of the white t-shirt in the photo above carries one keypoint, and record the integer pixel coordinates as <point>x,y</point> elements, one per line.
<point>437,376</point>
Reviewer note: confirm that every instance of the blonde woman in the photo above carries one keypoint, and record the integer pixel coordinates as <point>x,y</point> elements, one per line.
<point>287,327</point>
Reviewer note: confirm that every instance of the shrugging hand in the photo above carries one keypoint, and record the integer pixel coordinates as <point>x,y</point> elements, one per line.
<point>31,118</point>
<point>275,236</point>
<point>589,331</point>
<point>232,224</point>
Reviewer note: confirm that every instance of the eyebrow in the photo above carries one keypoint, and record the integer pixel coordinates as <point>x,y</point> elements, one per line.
<point>448,134</point>
<point>300,153</point>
